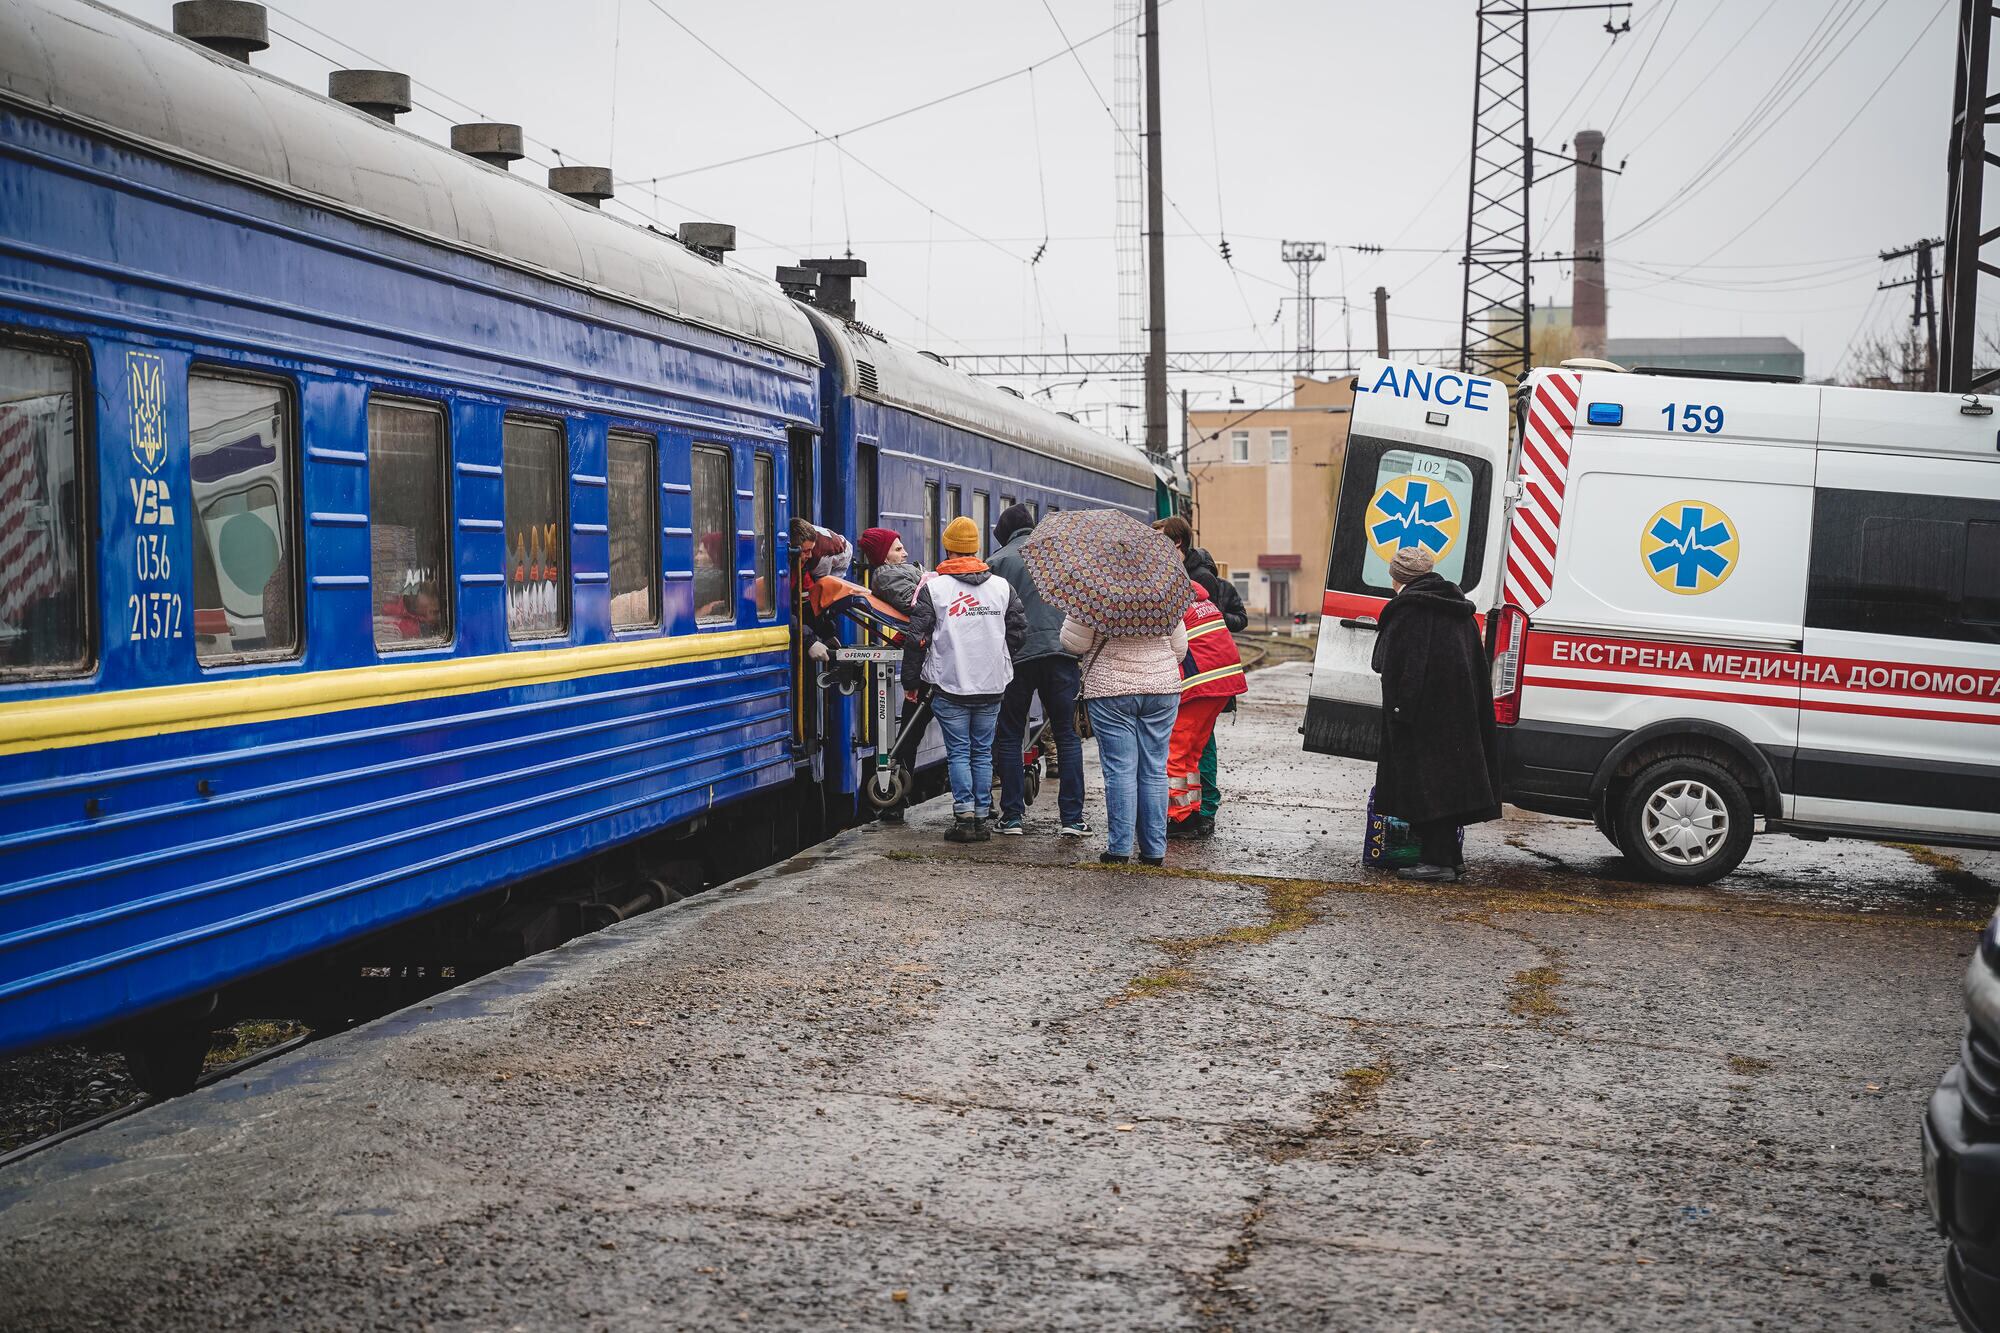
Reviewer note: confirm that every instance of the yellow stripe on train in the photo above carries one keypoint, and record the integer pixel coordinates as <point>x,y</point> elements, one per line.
<point>53,724</point>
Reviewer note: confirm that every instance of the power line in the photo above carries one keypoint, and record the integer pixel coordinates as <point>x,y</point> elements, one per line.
<point>833,141</point>
<point>1837,136</point>
<point>1767,111</point>
<point>1702,82</point>
<point>893,116</point>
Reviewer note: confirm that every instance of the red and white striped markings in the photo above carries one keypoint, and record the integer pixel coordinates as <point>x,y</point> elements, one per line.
<point>1545,449</point>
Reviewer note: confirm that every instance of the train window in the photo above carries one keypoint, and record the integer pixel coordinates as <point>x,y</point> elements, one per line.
<point>632,477</point>
<point>245,539</point>
<point>764,520</point>
<point>930,525</point>
<point>408,524</point>
<point>979,516</point>
<point>1006,503</point>
<point>866,502</point>
<point>43,546</point>
<point>534,464</point>
<point>954,503</point>
<point>714,535</point>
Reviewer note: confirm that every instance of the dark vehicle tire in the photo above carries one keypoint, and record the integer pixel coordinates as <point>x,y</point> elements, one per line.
<point>1684,820</point>
<point>1605,818</point>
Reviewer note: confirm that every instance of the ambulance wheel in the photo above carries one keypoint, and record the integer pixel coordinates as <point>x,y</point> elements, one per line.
<point>1684,820</point>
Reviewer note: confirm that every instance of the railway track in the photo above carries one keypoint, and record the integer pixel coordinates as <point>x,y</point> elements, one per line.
<point>146,1099</point>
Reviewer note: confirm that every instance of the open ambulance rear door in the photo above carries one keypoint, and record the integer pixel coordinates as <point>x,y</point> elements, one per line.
<point>1426,466</point>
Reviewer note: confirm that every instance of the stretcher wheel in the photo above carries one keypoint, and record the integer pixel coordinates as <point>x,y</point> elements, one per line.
<point>1031,780</point>
<point>898,788</point>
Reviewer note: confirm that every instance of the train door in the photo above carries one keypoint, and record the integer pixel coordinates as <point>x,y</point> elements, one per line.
<point>1426,455</point>
<point>808,716</point>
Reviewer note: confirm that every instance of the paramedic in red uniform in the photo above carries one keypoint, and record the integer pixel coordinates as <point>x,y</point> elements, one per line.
<point>1211,675</point>
<point>1440,755</point>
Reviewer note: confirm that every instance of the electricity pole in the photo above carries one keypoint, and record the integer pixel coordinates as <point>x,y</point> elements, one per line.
<point>1965,233</point>
<point>1923,305</point>
<point>1156,249</point>
<point>1382,322</point>
<point>1303,257</point>
<point>1495,312</point>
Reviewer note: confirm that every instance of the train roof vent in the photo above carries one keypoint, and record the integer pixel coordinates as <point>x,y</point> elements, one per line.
<point>232,28</point>
<point>489,141</point>
<point>797,282</point>
<point>866,369</point>
<point>382,93</point>
<point>1008,390</point>
<point>588,185</point>
<point>710,240</point>
<point>935,357</point>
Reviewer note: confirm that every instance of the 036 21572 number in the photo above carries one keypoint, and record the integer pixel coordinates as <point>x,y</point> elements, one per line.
<point>1693,418</point>
<point>155,615</point>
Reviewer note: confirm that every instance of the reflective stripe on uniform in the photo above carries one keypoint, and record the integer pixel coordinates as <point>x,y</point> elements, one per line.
<point>1220,673</point>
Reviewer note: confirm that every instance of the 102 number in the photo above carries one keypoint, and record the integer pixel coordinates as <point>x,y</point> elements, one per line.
<point>1693,418</point>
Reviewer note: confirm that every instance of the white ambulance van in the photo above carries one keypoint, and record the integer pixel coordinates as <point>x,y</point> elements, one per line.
<point>1710,600</point>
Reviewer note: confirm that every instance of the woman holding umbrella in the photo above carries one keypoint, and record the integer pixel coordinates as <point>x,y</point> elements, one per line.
<point>1122,589</point>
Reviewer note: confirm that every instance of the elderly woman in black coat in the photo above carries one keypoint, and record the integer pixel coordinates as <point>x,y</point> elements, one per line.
<point>1439,768</point>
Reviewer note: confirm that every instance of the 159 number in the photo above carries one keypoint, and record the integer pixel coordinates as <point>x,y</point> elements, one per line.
<point>1693,418</point>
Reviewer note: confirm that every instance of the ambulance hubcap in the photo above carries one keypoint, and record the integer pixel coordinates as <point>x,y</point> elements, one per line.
<point>1685,822</point>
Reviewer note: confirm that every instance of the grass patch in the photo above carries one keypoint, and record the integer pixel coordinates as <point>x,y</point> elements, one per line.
<point>1365,1078</point>
<point>1165,979</point>
<point>249,1037</point>
<point>1533,994</point>
<point>1942,862</point>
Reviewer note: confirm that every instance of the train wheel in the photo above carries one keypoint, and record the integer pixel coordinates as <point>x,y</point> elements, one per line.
<point>168,1063</point>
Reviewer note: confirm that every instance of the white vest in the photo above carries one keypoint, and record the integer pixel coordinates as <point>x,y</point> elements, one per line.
<point>968,650</point>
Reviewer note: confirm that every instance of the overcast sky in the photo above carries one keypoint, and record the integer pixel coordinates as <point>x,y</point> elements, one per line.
<point>1346,121</point>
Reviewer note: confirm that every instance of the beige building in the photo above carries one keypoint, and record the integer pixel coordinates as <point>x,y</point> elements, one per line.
<point>1264,489</point>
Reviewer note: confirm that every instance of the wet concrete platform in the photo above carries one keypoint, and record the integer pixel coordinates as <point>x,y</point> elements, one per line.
<point>896,1082</point>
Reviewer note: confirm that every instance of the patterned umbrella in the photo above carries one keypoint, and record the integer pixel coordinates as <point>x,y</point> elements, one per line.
<point>1109,571</point>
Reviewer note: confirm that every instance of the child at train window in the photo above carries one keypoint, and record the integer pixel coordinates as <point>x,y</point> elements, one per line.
<point>414,615</point>
<point>711,576</point>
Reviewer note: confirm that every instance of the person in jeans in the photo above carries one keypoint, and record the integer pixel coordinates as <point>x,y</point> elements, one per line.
<point>1041,667</point>
<point>965,627</point>
<point>1133,687</point>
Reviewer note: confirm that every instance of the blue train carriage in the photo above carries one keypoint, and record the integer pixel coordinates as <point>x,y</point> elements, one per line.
<point>376,528</point>
<point>914,443</point>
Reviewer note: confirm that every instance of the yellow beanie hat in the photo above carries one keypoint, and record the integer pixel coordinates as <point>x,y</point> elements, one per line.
<point>961,536</point>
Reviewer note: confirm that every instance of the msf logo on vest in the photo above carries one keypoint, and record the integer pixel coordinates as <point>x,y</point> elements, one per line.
<point>968,604</point>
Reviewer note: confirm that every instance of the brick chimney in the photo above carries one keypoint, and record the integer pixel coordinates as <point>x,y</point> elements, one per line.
<point>1587,302</point>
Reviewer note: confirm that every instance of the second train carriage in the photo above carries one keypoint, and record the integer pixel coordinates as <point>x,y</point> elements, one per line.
<point>377,528</point>
<point>912,444</point>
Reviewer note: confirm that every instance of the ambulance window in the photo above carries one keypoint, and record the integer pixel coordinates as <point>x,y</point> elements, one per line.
<point>1420,499</point>
<point>1393,496</point>
<point>1917,566</point>
<point>1982,573</point>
